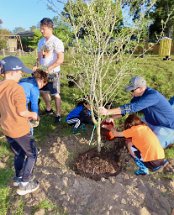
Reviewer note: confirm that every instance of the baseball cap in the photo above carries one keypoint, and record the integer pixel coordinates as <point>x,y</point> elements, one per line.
<point>12,63</point>
<point>135,83</point>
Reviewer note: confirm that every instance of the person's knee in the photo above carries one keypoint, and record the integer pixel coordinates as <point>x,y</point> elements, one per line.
<point>57,96</point>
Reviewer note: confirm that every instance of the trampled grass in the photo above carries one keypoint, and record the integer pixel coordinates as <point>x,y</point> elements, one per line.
<point>159,75</point>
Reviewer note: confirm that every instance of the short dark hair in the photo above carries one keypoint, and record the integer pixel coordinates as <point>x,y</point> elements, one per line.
<point>133,120</point>
<point>47,21</point>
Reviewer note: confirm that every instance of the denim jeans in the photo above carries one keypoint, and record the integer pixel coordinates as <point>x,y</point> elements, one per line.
<point>165,135</point>
<point>25,152</point>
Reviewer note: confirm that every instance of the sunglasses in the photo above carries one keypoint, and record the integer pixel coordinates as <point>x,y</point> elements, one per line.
<point>132,91</point>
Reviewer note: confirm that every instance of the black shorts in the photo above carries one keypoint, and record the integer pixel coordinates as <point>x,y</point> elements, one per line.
<point>53,85</point>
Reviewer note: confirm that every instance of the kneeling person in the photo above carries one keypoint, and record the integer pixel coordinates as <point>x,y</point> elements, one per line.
<point>143,145</point>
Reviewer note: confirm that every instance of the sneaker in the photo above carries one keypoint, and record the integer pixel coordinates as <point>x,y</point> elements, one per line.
<point>16,181</point>
<point>39,150</point>
<point>160,168</point>
<point>49,112</point>
<point>29,188</point>
<point>75,131</point>
<point>83,127</point>
<point>57,119</point>
<point>141,172</point>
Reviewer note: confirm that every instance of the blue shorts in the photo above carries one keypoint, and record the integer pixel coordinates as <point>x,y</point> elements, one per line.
<point>53,85</point>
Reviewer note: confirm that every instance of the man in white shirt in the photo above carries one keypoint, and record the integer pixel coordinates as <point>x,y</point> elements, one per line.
<point>50,57</point>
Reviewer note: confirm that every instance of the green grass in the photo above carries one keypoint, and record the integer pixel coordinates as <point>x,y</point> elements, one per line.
<point>49,208</point>
<point>6,174</point>
<point>159,75</point>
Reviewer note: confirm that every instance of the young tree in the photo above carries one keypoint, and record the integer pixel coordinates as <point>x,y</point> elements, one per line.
<point>104,52</point>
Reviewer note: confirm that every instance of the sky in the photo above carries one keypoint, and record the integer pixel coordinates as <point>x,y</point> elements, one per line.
<point>24,13</point>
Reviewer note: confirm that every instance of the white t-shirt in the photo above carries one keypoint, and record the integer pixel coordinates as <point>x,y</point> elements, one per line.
<point>50,48</point>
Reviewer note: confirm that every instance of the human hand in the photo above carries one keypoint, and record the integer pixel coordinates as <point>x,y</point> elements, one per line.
<point>34,123</point>
<point>33,116</point>
<point>107,126</point>
<point>103,111</point>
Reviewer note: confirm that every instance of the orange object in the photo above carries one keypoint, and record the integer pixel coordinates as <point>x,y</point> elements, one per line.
<point>146,142</point>
<point>106,133</point>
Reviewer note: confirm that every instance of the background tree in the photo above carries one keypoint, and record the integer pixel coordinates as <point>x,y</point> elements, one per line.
<point>18,30</point>
<point>103,53</point>
<point>63,31</point>
<point>3,38</point>
<point>163,18</point>
<point>33,28</point>
<point>32,42</point>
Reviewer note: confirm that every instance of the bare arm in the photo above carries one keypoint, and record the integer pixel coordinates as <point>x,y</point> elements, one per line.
<point>129,145</point>
<point>128,141</point>
<point>117,133</point>
<point>114,112</point>
<point>58,62</point>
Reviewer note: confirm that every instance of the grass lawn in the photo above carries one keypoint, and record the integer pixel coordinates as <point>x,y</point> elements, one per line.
<point>159,75</point>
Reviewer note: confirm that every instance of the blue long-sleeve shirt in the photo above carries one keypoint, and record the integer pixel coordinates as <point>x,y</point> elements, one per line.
<point>32,92</point>
<point>77,111</point>
<point>155,107</point>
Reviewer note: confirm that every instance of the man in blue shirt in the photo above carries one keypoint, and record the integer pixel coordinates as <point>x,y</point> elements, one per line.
<point>158,112</point>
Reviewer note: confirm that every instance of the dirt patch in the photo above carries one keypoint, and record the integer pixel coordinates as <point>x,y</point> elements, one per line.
<point>125,194</point>
<point>93,165</point>
<point>96,165</point>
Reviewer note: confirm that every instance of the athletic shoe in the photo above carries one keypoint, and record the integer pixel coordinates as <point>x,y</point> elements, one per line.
<point>141,172</point>
<point>49,112</point>
<point>75,131</point>
<point>16,181</point>
<point>57,119</point>
<point>82,127</point>
<point>39,150</point>
<point>160,168</point>
<point>29,188</point>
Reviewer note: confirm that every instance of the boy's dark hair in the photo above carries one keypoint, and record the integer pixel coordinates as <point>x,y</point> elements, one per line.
<point>47,21</point>
<point>40,74</point>
<point>133,120</point>
<point>82,102</point>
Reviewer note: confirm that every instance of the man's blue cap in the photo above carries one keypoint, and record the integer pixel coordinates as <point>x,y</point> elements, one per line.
<point>12,63</point>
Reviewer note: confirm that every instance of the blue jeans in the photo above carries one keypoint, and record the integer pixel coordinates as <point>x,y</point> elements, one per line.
<point>25,152</point>
<point>165,135</point>
<point>171,101</point>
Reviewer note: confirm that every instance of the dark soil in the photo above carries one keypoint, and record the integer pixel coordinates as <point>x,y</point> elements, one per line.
<point>105,164</point>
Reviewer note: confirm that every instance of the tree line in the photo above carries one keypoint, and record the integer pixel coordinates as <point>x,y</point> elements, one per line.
<point>161,18</point>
